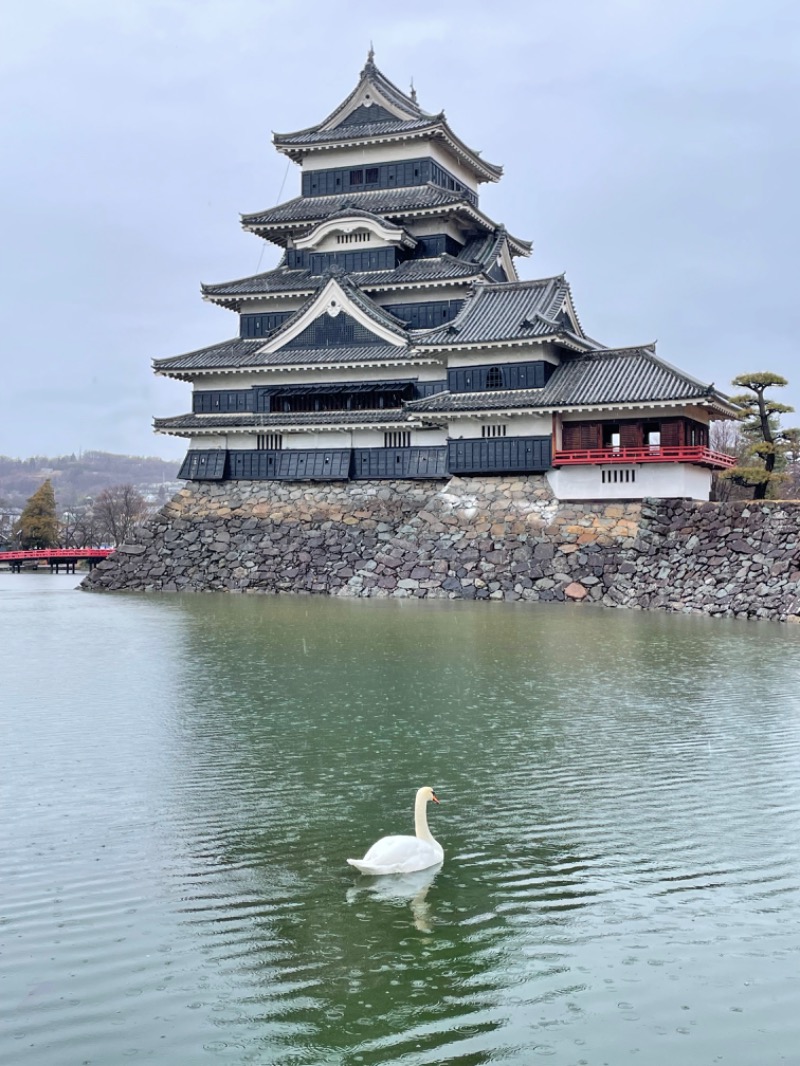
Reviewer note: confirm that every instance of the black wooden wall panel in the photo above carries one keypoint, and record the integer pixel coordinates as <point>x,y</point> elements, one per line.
<point>498,455</point>
<point>203,465</point>
<point>425,315</point>
<point>389,175</point>
<point>262,325</point>
<point>329,332</point>
<point>223,401</point>
<point>365,260</point>
<point>366,116</point>
<point>429,388</point>
<point>417,462</point>
<point>533,374</point>
<point>312,464</point>
<point>436,244</point>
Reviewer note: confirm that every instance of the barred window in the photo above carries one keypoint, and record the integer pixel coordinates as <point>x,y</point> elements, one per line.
<point>615,477</point>
<point>494,378</point>
<point>494,429</point>
<point>270,442</point>
<point>359,236</point>
<point>400,439</point>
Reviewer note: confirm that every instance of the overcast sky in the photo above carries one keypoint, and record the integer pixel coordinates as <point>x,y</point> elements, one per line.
<point>651,151</point>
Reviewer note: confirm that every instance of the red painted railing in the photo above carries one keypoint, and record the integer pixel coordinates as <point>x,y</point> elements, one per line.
<point>656,453</point>
<point>56,554</point>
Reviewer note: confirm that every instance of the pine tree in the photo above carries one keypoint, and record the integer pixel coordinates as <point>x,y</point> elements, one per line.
<point>762,466</point>
<point>38,523</point>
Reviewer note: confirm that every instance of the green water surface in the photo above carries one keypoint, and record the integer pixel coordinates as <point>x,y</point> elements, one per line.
<point>183,779</point>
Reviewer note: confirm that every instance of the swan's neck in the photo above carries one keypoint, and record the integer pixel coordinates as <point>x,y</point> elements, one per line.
<point>421,820</point>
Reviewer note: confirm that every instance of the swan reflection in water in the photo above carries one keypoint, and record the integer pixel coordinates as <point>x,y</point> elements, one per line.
<point>410,888</point>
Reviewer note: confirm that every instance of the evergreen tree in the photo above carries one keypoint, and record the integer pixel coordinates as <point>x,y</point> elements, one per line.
<point>38,523</point>
<point>763,463</point>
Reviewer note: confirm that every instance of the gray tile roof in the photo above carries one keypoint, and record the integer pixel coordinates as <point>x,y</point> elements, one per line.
<point>622,375</point>
<point>241,354</point>
<point>460,402</point>
<point>627,375</point>
<point>412,120</point>
<point>410,271</point>
<point>373,77</point>
<point>373,310</point>
<point>504,312</point>
<point>380,202</point>
<point>193,423</point>
<point>348,133</point>
<point>227,354</point>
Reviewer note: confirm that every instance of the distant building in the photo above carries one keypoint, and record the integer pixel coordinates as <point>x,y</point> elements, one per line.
<point>396,340</point>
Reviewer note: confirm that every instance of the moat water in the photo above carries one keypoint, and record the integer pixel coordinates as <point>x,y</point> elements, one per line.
<point>183,778</point>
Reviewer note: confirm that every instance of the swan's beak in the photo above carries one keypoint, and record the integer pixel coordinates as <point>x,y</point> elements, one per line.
<point>433,797</point>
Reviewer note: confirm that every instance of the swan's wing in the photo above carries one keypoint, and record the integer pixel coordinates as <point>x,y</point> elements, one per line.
<point>397,854</point>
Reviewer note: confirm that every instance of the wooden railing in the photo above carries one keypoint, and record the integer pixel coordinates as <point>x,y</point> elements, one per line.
<point>56,554</point>
<point>698,454</point>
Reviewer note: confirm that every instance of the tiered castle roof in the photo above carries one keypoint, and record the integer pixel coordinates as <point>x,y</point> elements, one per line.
<point>331,317</point>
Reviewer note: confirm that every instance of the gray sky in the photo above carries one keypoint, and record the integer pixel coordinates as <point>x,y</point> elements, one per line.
<point>650,150</point>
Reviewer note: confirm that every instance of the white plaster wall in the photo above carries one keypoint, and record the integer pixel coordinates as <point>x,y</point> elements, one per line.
<point>393,152</point>
<point>323,439</point>
<point>321,376</point>
<point>425,227</point>
<point>651,414</point>
<point>356,438</point>
<point>373,438</point>
<point>331,244</point>
<point>202,443</point>
<point>519,426</point>
<point>662,480</point>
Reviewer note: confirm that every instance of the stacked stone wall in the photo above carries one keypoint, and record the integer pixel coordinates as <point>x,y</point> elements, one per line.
<point>477,538</point>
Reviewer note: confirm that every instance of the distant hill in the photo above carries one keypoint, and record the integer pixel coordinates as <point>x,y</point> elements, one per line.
<point>75,477</point>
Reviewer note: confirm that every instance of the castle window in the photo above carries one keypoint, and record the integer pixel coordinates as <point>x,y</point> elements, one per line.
<point>371,175</point>
<point>652,435</point>
<point>353,238</point>
<point>270,442</point>
<point>611,435</point>
<point>356,177</point>
<point>400,439</point>
<point>494,378</point>
<point>494,429</point>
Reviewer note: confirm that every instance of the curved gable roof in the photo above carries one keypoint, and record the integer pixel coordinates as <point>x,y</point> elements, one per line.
<point>378,108</point>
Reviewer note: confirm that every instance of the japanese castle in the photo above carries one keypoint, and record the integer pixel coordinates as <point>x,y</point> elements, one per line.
<point>396,340</point>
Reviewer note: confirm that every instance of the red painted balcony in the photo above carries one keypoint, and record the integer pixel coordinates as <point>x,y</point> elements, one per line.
<point>698,454</point>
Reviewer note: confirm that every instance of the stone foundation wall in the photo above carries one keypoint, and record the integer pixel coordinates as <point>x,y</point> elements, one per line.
<point>481,538</point>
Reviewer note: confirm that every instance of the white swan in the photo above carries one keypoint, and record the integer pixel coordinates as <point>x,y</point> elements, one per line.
<point>405,854</point>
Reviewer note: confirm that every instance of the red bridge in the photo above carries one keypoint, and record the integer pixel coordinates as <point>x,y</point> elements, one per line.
<point>54,557</point>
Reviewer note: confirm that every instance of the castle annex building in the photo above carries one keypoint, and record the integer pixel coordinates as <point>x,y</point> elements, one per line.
<point>396,340</point>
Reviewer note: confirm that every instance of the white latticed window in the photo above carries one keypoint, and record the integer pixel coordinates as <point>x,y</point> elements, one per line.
<point>400,439</point>
<point>494,429</point>
<point>353,238</point>
<point>615,477</point>
<point>270,442</point>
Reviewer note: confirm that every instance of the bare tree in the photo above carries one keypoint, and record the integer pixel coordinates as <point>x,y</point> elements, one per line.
<point>726,437</point>
<point>116,511</point>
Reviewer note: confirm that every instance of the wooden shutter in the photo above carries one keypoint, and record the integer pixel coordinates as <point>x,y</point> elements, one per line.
<point>571,436</point>
<point>671,436</point>
<point>590,435</point>
<point>630,434</point>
